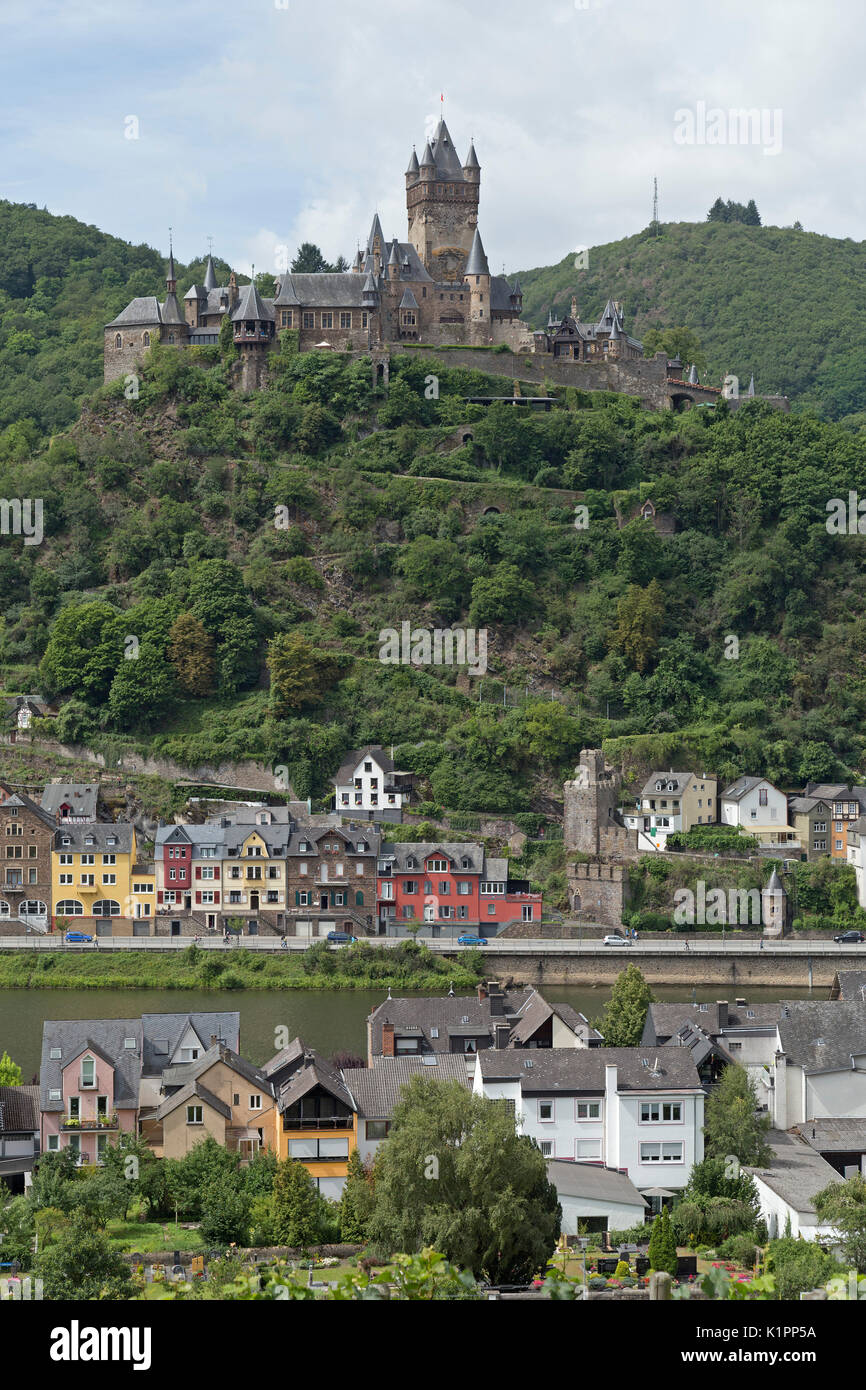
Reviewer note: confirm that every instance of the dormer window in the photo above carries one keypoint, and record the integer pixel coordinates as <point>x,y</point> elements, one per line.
<point>66,840</point>
<point>89,840</point>
<point>88,1072</point>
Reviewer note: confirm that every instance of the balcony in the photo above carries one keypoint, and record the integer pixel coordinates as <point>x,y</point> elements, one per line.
<point>104,1122</point>
<point>322,1122</point>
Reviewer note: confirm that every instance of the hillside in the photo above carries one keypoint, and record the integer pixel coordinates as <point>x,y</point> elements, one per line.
<point>220,540</point>
<point>789,306</point>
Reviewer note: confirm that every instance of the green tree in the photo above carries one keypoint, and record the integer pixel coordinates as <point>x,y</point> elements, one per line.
<point>503,596</point>
<point>622,1022</point>
<point>10,1072</point>
<point>191,653</point>
<point>676,342</point>
<point>81,1264</point>
<point>300,674</point>
<point>662,1251</point>
<point>798,1265</point>
<point>733,1127</point>
<point>225,1212</point>
<point>356,1202</point>
<point>309,260</point>
<point>454,1172</point>
<point>296,1215</point>
<point>843,1206</point>
<point>640,615</point>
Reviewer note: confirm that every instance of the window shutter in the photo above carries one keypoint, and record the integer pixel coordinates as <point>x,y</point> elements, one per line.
<point>198,897</point>
<point>216,872</point>
<point>297,898</point>
<point>359,899</point>
<point>159,896</point>
<point>198,870</point>
<point>216,897</point>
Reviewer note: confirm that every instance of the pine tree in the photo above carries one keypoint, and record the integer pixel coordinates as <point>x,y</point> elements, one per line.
<point>718,212</point>
<point>662,1245</point>
<point>296,1205</point>
<point>622,1023</point>
<point>191,653</point>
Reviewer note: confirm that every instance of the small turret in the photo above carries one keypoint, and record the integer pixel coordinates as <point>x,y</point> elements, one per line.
<point>471,167</point>
<point>369,293</point>
<point>210,279</point>
<point>694,379</point>
<point>413,169</point>
<point>394,263</point>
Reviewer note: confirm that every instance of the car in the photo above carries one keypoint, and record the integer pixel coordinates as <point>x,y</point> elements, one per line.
<point>849,936</point>
<point>78,936</point>
<point>616,941</point>
<point>342,938</point>
<point>466,940</point>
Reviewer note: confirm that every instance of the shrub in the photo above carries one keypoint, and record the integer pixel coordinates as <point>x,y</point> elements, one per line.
<point>622,1270</point>
<point>740,1248</point>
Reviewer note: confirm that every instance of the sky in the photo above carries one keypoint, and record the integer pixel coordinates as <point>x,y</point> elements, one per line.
<point>264,123</point>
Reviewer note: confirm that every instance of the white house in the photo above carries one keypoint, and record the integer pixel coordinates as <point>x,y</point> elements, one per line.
<point>368,784</point>
<point>754,804</point>
<point>638,1110</point>
<point>786,1188</point>
<point>598,1198</point>
<point>819,1068</point>
<point>857,855</point>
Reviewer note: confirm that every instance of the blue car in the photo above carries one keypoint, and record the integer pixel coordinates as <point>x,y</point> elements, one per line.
<point>471,941</point>
<point>78,936</point>
<point>342,938</point>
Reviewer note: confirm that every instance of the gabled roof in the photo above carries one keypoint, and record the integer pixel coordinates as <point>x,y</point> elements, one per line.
<point>80,796</point>
<point>182,1073</point>
<point>287,1057</point>
<point>314,1072</point>
<point>105,1036</point>
<point>99,832</point>
<point>197,292</point>
<point>476,263</point>
<point>536,1012</point>
<point>21,800</point>
<point>374,751</point>
<point>434,1021</point>
<point>408,301</point>
<point>194,1091</point>
<point>851,984</point>
<point>328,289</point>
<point>737,790</point>
<point>796,1173</point>
<point>164,1031</point>
<point>400,852</point>
<point>145,310</point>
<point>674,783</point>
<point>572,1070</point>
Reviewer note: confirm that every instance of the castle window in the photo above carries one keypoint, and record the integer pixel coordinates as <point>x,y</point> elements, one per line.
<point>327,320</point>
<point>478,279</point>
<point>145,338</point>
<point>309,320</point>
<point>424,292</point>
<point>118,341</point>
<point>363,320</point>
<point>171,337</point>
<point>345,320</point>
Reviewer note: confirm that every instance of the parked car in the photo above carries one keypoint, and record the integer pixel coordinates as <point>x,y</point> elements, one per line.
<point>849,936</point>
<point>471,941</point>
<point>616,941</point>
<point>342,938</point>
<point>78,936</point>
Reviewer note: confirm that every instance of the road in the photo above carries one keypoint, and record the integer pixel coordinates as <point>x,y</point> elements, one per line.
<point>496,946</point>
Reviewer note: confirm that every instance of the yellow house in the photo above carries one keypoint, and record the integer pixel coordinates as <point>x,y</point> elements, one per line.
<point>220,1095</point>
<point>97,884</point>
<point>254,870</point>
<point>314,1119</point>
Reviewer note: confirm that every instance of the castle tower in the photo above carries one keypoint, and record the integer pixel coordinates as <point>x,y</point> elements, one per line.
<point>592,823</point>
<point>174,323</point>
<point>774,906</point>
<point>442,205</point>
<point>253,325</point>
<point>477,278</point>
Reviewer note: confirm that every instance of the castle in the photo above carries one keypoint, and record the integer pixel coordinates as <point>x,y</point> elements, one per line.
<point>436,287</point>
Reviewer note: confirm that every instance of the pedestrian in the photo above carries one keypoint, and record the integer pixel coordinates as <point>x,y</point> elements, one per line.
<point>761,944</point>
<point>686,944</point>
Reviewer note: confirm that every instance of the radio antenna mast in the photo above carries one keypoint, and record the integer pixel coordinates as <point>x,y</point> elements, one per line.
<point>656,206</point>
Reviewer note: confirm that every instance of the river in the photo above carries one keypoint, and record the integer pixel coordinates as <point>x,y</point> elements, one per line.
<point>327,1022</point>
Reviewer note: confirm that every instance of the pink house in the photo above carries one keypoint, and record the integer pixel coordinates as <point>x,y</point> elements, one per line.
<point>89,1084</point>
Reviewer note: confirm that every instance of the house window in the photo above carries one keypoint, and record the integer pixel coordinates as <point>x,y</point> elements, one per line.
<point>661,1153</point>
<point>88,1072</point>
<point>545,1110</point>
<point>255,1102</point>
<point>546,1147</point>
<point>53,1143</point>
<point>309,320</point>
<point>377,1129</point>
<point>654,1111</point>
<point>327,320</point>
<point>585,1150</point>
<point>345,320</point>
<point>109,858</point>
<point>194,1115</point>
<point>589,1109</point>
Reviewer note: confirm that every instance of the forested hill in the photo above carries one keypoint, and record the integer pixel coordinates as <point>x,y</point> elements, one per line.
<point>788,305</point>
<point>60,283</point>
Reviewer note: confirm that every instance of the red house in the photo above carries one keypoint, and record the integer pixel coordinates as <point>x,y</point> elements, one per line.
<point>451,888</point>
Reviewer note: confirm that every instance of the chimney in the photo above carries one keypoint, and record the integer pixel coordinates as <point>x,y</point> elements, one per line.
<point>722,1005</point>
<point>482,993</point>
<point>387,1040</point>
<point>497,997</point>
<point>501,1034</point>
<point>213,1039</point>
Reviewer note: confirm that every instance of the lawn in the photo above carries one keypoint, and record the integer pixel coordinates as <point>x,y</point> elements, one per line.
<point>153,1237</point>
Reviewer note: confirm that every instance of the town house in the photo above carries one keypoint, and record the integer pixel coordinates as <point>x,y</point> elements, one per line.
<point>25,891</point>
<point>450,888</point>
<point>99,883</point>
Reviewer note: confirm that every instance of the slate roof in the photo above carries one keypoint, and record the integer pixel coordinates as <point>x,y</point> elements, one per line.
<point>376,1090</point>
<point>325,289</point>
<point>797,1173</point>
<point>185,1072</point>
<point>399,853</point>
<point>346,771</point>
<point>313,834</point>
<point>500,295</point>
<point>314,1072</point>
<point>418,1017</point>
<point>448,165</point>
<point>537,1011</point>
<point>679,779</point>
<point>852,984</point>
<point>275,837</point>
<point>808,803</point>
<point>197,292</point>
<point>543,1071</point>
<point>823,1036</point>
<point>737,790</point>
<point>100,832</point>
<point>103,1035</point>
<point>251,306</point>
<point>472,158</point>
<point>25,803</point>
<point>665,1020</point>
<point>81,796</point>
<point>476,262</point>
<point>19,1109</point>
<point>834,1136</point>
<point>170,1028</point>
<point>194,1091</point>
<point>146,309</point>
<point>287,1057</point>
<point>594,1182</point>
<point>210,282</point>
<point>408,301</point>
<point>375,231</point>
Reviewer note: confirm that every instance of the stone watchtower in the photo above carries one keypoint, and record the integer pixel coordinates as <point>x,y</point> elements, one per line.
<point>598,885</point>
<point>442,203</point>
<point>774,906</point>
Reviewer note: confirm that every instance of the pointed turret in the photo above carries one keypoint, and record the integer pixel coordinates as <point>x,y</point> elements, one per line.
<point>376,233</point>
<point>357,263</point>
<point>476,263</point>
<point>751,390</point>
<point>694,380</point>
<point>251,307</point>
<point>210,279</point>
<point>428,162</point>
<point>471,161</point>
<point>412,171</point>
<point>369,293</point>
<point>171,274</point>
<point>448,166</point>
<point>394,263</point>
